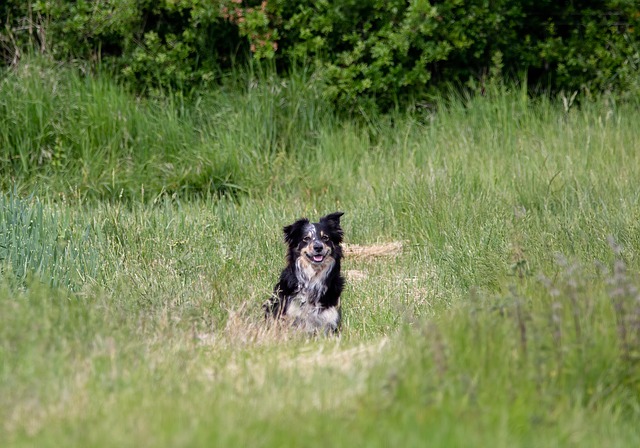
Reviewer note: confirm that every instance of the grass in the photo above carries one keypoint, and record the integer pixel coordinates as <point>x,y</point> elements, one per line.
<point>134,268</point>
<point>50,243</point>
<point>86,137</point>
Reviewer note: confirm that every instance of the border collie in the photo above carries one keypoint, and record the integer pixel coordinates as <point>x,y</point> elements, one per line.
<point>308,293</point>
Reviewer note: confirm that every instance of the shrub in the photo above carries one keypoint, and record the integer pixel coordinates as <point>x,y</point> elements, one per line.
<point>370,52</point>
<point>166,44</point>
<point>391,51</point>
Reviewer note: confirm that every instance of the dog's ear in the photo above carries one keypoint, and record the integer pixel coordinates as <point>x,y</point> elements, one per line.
<point>333,219</point>
<point>293,232</point>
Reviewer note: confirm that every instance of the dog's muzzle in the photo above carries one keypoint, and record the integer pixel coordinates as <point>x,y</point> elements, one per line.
<point>316,257</point>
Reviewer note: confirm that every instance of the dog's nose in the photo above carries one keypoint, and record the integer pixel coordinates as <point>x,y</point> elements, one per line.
<point>317,247</point>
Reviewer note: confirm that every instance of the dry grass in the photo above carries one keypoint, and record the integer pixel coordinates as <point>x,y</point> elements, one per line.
<point>373,250</point>
<point>244,329</point>
<point>355,275</point>
<point>339,359</point>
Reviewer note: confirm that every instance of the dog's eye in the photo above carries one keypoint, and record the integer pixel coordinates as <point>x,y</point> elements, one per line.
<point>306,239</point>
<point>325,238</point>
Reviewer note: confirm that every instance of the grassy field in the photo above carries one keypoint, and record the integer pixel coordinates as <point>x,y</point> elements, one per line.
<point>138,239</point>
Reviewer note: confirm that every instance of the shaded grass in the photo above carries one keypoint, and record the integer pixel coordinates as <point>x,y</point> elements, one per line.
<point>86,137</point>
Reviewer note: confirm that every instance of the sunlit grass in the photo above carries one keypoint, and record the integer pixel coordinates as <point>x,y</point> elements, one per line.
<point>130,307</point>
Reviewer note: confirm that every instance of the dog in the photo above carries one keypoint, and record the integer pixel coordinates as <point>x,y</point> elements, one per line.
<point>308,292</point>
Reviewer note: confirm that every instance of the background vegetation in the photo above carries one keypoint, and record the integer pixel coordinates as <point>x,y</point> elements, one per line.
<point>368,53</point>
<point>148,163</point>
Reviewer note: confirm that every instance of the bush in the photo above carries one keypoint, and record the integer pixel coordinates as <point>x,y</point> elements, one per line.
<point>391,51</point>
<point>370,52</point>
<point>167,44</point>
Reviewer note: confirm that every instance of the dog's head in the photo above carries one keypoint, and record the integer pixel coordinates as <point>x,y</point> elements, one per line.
<point>318,242</point>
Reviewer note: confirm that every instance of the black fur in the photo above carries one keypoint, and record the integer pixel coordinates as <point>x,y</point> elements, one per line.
<point>308,293</point>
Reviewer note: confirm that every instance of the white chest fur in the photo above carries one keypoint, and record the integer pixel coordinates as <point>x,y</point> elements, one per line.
<point>312,279</point>
<point>304,308</point>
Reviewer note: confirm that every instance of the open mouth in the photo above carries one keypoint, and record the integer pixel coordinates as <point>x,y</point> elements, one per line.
<point>316,258</point>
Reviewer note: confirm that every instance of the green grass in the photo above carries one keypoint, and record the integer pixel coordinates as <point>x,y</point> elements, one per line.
<point>135,261</point>
<point>51,243</point>
<point>85,137</point>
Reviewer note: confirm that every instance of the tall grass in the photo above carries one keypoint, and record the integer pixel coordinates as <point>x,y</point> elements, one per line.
<point>507,319</point>
<point>86,137</point>
<point>47,242</point>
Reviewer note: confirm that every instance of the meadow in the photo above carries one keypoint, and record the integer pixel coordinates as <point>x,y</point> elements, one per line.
<point>139,237</point>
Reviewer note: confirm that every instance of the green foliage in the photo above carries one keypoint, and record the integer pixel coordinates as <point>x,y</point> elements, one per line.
<point>391,52</point>
<point>589,46</point>
<point>153,45</point>
<point>369,49</point>
<point>254,23</point>
<point>177,45</point>
<point>376,53</point>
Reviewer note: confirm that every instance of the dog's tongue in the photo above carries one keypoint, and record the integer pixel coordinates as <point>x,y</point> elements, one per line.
<point>318,258</point>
